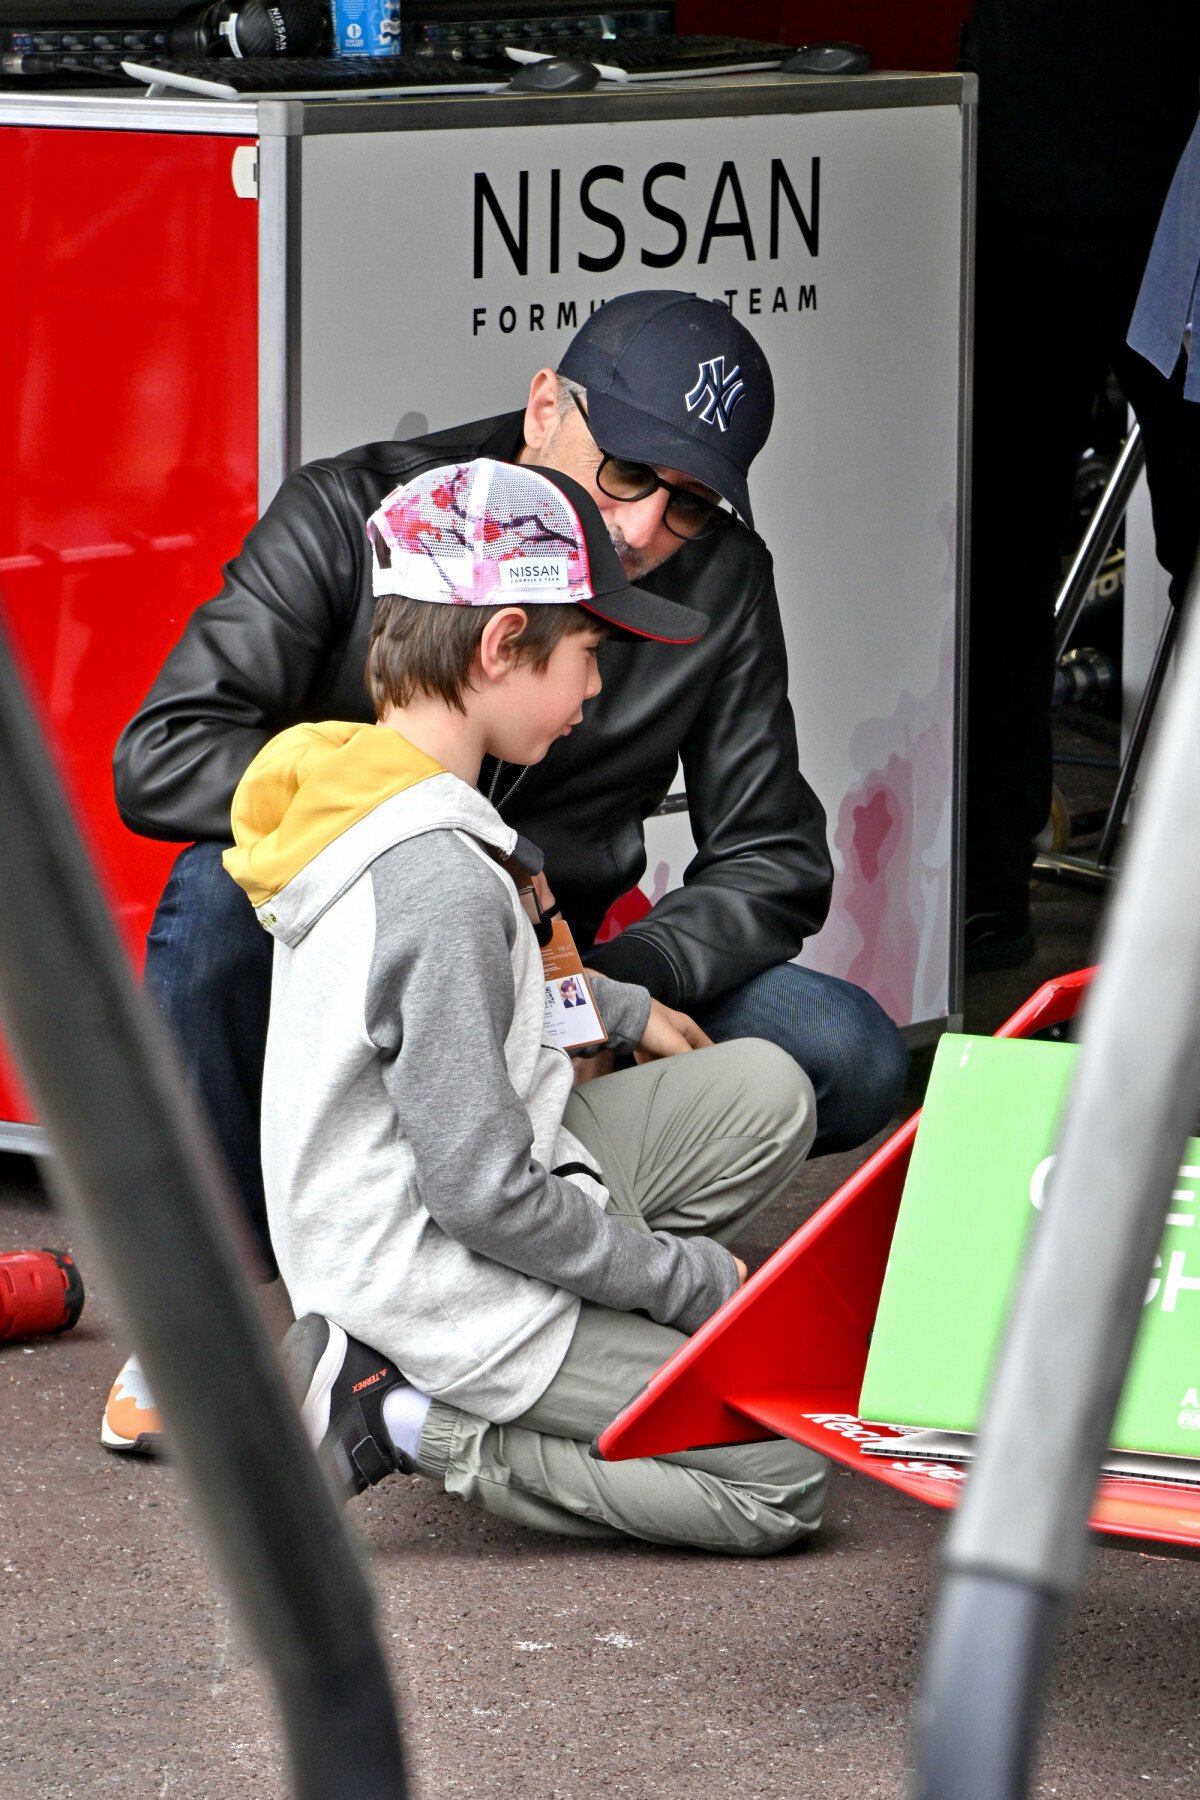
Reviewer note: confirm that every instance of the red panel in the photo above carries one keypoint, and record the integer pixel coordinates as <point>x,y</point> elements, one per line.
<point>128,439</point>
<point>1130,1511</point>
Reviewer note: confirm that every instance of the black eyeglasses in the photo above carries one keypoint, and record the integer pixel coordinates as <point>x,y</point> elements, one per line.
<point>686,514</point>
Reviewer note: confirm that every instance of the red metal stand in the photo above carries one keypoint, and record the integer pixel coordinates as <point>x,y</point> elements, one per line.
<point>786,1356</point>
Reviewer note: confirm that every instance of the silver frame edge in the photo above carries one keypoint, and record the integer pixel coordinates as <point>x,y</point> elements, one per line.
<point>24,1140</point>
<point>278,345</point>
<point>131,111</point>
<point>962,635</point>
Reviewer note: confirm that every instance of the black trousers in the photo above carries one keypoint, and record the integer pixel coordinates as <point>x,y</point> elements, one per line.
<point>1053,305</point>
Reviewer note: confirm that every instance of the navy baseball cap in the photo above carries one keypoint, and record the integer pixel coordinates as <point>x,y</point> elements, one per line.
<point>675,381</point>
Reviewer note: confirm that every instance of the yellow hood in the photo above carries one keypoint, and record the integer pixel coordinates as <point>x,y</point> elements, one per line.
<point>308,786</point>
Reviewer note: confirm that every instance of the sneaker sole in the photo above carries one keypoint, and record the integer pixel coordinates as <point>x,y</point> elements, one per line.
<point>315,1403</point>
<point>146,1443</point>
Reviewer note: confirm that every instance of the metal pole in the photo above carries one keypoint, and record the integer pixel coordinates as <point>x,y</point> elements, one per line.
<point>1098,870</point>
<point>1093,548</point>
<point>134,1163</point>
<point>1137,740</point>
<point>1015,1550</point>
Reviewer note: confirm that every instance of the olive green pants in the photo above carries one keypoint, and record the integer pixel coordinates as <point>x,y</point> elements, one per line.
<point>695,1143</point>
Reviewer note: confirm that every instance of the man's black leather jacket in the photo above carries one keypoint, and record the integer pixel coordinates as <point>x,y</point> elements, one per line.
<point>285,641</point>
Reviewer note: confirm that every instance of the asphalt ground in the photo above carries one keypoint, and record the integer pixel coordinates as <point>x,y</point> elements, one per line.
<point>524,1664</point>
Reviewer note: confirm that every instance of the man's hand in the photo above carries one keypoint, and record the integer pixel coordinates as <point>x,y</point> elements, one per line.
<point>743,1273</point>
<point>669,1033</point>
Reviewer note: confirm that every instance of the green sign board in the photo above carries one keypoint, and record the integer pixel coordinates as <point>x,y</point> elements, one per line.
<point>982,1169</point>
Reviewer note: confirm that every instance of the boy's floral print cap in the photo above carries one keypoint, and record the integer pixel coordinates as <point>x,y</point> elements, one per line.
<point>488,533</point>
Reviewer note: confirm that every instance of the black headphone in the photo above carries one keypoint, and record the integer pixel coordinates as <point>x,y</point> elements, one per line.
<point>248,28</point>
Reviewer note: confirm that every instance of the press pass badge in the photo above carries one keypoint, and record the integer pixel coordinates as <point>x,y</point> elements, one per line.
<point>572,1019</point>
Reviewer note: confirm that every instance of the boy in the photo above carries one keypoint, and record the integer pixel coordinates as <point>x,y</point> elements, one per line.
<point>526,1254</point>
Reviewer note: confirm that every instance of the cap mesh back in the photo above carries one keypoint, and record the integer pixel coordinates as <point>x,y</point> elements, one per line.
<point>479,534</point>
<point>590,355</point>
<point>521,519</point>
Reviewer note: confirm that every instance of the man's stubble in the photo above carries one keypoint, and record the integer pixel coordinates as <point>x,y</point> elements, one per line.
<point>636,563</point>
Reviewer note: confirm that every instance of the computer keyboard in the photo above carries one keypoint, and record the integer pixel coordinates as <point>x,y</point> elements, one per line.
<point>659,58</point>
<point>255,77</point>
<point>618,59</point>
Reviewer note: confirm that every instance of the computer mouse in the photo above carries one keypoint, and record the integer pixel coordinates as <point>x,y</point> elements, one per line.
<point>827,59</point>
<point>556,75</point>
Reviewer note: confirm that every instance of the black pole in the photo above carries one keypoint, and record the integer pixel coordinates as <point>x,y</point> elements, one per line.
<point>134,1162</point>
<point>1015,1551</point>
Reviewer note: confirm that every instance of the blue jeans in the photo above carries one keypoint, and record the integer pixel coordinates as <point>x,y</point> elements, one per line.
<point>850,1050</point>
<point>208,964</point>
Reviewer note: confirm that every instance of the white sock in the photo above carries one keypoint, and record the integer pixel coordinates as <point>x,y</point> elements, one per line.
<point>404,1410</point>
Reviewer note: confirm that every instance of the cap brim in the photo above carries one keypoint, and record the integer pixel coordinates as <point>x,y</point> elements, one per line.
<point>626,431</point>
<point>648,616</point>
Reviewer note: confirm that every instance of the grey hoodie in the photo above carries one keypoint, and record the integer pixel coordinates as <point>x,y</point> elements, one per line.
<point>421,1188</point>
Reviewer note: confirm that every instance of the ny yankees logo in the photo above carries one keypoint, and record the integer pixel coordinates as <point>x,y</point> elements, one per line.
<point>715,392</point>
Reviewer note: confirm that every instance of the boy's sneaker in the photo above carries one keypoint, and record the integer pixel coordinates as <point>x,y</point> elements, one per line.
<point>340,1385</point>
<point>131,1420</point>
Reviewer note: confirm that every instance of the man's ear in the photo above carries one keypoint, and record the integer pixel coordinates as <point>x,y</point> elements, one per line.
<point>541,414</point>
<point>498,653</point>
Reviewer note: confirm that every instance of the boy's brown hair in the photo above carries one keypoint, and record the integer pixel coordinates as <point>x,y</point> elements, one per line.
<point>418,647</point>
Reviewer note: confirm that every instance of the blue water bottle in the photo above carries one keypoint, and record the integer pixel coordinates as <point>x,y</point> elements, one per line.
<point>366,27</point>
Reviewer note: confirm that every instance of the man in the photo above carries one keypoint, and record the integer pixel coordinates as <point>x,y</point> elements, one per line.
<point>1080,125</point>
<point>659,406</point>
